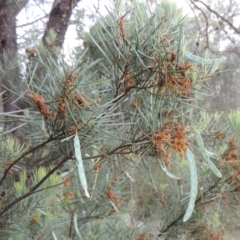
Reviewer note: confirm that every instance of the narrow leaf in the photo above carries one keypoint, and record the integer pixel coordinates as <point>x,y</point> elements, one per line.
<point>167,172</point>
<point>127,174</point>
<point>214,168</point>
<point>205,154</point>
<point>199,140</point>
<point>200,60</point>
<point>76,225</point>
<point>210,164</point>
<point>54,236</point>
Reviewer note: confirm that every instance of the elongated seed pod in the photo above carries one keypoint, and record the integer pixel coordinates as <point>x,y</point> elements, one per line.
<point>193,186</point>
<point>81,172</point>
<point>200,60</point>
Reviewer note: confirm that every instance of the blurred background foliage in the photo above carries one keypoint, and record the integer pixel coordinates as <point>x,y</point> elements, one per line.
<point>214,28</point>
<point>139,92</point>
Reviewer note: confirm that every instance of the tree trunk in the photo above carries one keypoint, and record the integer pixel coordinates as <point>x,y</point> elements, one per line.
<point>58,22</point>
<point>8,50</point>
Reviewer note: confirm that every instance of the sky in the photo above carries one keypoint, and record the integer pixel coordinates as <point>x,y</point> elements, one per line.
<point>39,11</point>
<point>101,5</point>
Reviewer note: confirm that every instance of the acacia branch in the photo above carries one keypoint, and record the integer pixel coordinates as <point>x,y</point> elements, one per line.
<point>172,224</point>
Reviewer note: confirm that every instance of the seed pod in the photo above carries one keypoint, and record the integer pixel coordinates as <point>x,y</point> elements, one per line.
<point>80,167</point>
<point>193,187</point>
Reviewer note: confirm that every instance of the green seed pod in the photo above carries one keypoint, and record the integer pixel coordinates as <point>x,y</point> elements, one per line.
<point>194,185</point>
<point>81,171</point>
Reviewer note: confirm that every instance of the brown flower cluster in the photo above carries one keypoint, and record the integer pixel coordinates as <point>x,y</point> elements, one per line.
<point>111,195</point>
<point>232,158</point>
<point>232,154</point>
<point>219,135</point>
<point>41,104</point>
<point>173,57</point>
<point>69,195</point>
<point>127,84</point>
<point>142,237</point>
<point>179,84</point>
<point>185,67</point>
<point>206,232</point>
<point>79,99</point>
<point>173,136</point>
<point>67,94</point>
<point>122,23</point>
<point>177,78</point>
<point>67,99</point>
<point>36,219</point>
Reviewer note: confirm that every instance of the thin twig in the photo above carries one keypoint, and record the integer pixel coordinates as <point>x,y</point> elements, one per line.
<point>30,23</point>
<point>219,16</point>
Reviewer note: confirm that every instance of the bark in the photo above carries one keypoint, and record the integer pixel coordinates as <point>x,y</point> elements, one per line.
<point>8,48</point>
<point>53,37</point>
<point>58,21</point>
<point>2,3</point>
<point>59,18</point>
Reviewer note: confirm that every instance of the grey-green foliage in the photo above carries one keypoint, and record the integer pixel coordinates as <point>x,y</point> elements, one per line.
<point>135,37</point>
<point>130,83</point>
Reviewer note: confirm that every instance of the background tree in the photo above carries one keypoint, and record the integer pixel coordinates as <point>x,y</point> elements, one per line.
<point>56,28</point>
<point>217,32</point>
<point>128,106</point>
